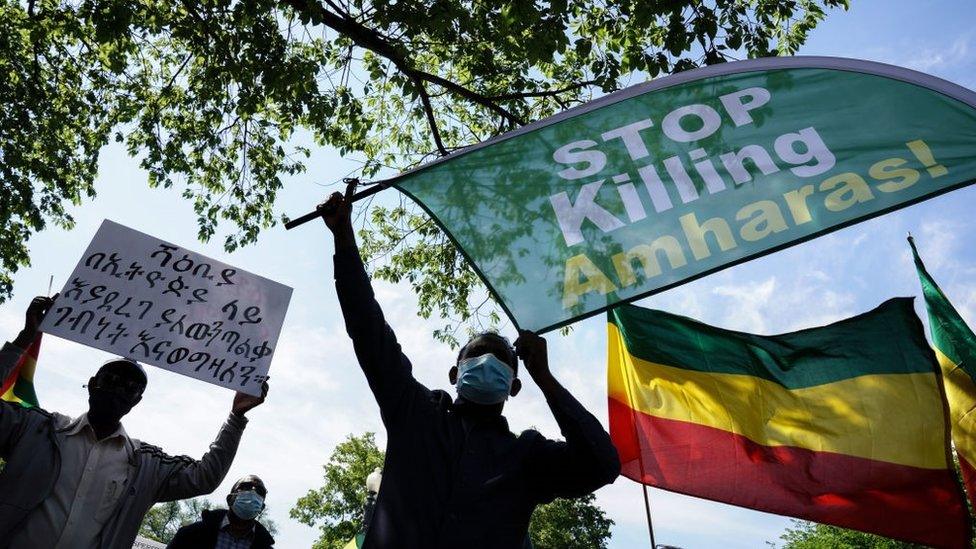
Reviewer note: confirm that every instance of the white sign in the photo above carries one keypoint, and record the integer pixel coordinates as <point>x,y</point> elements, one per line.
<point>145,299</point>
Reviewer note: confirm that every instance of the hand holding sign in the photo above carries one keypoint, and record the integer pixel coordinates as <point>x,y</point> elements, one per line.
<point>154,302</point>
<point>38,307</point>
<point>244,403</point>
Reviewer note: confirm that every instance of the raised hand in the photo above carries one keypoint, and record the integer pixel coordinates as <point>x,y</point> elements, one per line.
<point>534,353</point>
<point>244,403</point>
<point>38,307</point>
<point>337,214</point>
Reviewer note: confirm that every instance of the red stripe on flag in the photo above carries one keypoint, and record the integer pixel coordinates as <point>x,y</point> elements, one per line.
<point>33,351</point>
<point>12,377</point>
<point>14,374</point>
<point>898,501</point>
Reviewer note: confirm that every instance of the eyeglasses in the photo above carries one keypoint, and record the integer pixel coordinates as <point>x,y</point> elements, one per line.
<point>119,383</point>
<point>250,487</point>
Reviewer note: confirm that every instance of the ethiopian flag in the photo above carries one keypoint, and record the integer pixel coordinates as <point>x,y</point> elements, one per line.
<point>844,424</point>
<point>955,347</point>
<point>19,385</point>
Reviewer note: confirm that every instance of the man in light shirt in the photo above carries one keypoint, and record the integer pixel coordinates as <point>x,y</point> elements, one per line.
<point>83,483</point>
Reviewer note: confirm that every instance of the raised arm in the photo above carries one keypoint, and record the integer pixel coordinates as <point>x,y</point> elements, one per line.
<point>587,459</point>
<point>387,369</point>
<point>183,477</point>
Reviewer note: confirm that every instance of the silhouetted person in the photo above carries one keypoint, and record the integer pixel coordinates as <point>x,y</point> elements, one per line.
<point>236,527</point>
<point>455,476</point>
<point>83,483</point>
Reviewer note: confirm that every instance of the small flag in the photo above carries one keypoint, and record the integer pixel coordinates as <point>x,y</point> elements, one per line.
<point>19,385</point>
<point>843,424</point>
<point>955,347</point>
<point>355,543</point>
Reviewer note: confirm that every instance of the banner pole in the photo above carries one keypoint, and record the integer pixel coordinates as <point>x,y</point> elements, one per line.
<point>369,191</point>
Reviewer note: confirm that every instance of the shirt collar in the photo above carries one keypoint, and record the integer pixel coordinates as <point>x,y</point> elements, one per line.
<point>80,422</point>
<point>224,524</point>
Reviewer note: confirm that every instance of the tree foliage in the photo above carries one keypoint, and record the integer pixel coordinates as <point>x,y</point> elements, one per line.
<point>164,519</point>
<point>810,535</point>
<point>570,524</point>
<point>210,95</point>
<point>337,507</point>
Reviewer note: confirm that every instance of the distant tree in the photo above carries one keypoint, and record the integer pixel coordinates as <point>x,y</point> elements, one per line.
<point>570,524</point>
<point>337,507</point>
<point>810,535</point>
<point>164,519</point>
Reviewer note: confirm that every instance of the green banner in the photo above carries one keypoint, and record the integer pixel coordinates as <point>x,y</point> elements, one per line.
<point>658,184</point>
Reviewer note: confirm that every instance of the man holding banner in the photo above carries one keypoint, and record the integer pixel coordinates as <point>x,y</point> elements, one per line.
<point>455,476</point>
<point>83,483</point>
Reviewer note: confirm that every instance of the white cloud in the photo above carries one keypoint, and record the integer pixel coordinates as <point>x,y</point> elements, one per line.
<point>750,300</point>
<point>938,242</point>
<point>941,58</point>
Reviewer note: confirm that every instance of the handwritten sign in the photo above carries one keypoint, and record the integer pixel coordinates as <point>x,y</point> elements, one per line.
<point>145,299</point>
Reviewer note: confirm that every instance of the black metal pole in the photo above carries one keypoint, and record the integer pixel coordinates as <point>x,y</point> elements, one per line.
<point>315,214</point>
<point>647,509</point>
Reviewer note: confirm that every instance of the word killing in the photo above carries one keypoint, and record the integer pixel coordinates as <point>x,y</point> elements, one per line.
<point>804,150</point>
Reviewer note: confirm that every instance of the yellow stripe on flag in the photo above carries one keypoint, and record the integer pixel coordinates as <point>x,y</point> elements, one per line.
<point>851,416</point>
<point>961,394</point>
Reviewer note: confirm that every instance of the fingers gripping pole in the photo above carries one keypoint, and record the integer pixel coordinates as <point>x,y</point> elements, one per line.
<point>317,213</point>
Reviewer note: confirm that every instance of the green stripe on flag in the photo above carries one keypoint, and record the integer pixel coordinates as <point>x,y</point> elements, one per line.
<point>950,334</point>
<point>886,340</point>
<point>24,390</point>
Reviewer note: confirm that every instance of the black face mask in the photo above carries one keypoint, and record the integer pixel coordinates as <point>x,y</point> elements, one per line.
<point>109,404</point>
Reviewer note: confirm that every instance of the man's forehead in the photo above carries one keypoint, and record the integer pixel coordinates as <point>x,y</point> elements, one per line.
<point>484,346</point>
<point>481,345</point>
<point>121,369</point>
<point>251,483</point>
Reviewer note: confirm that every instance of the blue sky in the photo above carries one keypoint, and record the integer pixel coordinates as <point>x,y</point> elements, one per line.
<point>318,395</point>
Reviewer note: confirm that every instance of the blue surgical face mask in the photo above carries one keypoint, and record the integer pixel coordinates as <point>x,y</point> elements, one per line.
<point>484,379</point>
<point>248,505</point>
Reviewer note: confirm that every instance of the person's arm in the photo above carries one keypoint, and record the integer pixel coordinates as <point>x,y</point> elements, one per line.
<point>12,415</point>
<point>388,371</point>
<point>187,478</point>
<point>587,459</point>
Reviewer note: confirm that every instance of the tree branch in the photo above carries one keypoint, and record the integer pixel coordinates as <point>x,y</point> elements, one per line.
<point>545,93</point>
<point>172,80</point>
<point>371,40</point>
<point>429,111</point>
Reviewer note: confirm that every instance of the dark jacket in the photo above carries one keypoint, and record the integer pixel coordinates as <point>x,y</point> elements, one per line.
<point>203,534</point>
<point>454,476</point>
<point>30,442</point>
